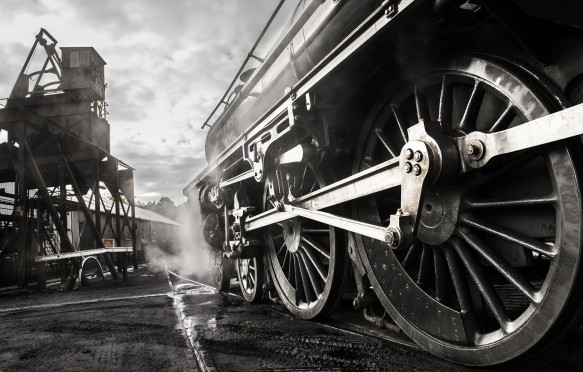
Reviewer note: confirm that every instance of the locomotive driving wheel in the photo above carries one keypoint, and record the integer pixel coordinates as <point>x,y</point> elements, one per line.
<point>494,269</point>
<point>222,273</point>
<point>250,273</point>
<point>307,259</point>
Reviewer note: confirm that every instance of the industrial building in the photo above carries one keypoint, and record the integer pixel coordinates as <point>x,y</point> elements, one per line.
<point>55,161</point>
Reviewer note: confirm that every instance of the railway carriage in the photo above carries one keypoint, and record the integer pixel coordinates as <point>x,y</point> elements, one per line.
<point>421,154</point>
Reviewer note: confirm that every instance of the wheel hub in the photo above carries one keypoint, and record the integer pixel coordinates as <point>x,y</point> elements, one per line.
<point>439,214</point>
<point>291,234</point>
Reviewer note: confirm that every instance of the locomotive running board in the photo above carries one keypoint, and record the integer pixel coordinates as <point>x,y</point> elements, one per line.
<point>551,128</point>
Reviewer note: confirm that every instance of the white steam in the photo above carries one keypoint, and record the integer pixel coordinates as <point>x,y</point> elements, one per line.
<point>188,254</point>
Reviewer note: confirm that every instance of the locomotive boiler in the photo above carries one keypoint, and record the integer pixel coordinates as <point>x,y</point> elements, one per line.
<point>424,155</point>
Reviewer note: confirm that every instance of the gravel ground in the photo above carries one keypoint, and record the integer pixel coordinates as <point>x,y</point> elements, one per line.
<point>142,325</point>
<point>232,335</point>
<point>105,327</point>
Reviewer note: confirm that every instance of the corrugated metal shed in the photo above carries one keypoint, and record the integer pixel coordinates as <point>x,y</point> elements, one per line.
<point>147,215</point>
<point>141,213</point>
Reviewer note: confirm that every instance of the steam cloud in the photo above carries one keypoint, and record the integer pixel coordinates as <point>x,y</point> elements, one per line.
<point>188,254</point>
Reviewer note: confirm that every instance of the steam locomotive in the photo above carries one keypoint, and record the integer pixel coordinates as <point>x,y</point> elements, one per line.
<point>419,155</point>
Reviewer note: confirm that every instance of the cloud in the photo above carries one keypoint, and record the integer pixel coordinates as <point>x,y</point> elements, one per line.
<point>168,63</point>
<point>13,8</point>
<point>11,57</point>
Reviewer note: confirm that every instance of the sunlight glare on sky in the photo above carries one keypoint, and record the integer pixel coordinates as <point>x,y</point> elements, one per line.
<point>168,64</point>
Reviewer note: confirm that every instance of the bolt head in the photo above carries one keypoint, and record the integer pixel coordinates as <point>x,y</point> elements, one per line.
<point>475,150</point>
<point>418,156</point>
<point>416,169</point>
<point>408,154</point>
<point>392,237</point>
<point>408,167</point>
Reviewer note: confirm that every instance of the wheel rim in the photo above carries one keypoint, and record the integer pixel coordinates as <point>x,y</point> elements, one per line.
<point>497,252</point>
<point>222,274</point>
<point>307,258</point>
<point>250,274</point>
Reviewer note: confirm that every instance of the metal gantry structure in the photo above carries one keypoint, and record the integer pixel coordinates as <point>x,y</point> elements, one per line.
<point>55,160</point>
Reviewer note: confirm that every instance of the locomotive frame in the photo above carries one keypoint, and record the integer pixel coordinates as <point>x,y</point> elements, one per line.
<point>447,175</point>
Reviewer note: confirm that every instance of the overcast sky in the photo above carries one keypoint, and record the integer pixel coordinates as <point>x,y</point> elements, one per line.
<point>168,63</point>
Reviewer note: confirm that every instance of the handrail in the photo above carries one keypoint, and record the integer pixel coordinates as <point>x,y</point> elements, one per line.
<point>249,56</point>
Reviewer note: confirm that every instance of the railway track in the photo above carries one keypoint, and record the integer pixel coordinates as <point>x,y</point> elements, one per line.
<point>567,355</point>
<point>341,322</point>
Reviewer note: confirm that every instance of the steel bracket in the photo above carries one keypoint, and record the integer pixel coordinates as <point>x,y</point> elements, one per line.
<point>391,8</point>
<point>240,246</point>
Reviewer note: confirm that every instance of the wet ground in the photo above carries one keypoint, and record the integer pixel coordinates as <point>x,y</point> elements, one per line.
<point>147,325</point>
<point>105,327</point>
<point>232,335</point>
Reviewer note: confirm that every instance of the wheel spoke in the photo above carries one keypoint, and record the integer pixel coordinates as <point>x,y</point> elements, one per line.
<point>281,249</point>
<point>504,170</point>
<point>462,291</point>
<point>316,246</point>
<point>311,274</point>
<point>425,267</point>
<point>441,275</point>
<point>501,265</point>
<point>421,105</point>
<point>314,186</point>
<point>473,107</point>
<point>364,165</point>
<point>298,278</point>
<point>304,175</point>
<point>484,286</point>
<point>470,203</point>
<point>445,101</point>
<point>401,123</point>
<point>413,254</point>
<point>511,236</point>
<point>315,262</point>
<point>304,278</point>
<point>385,141</point>
<point>287,259</point>
<point>504,120</point>
<point>279,182</point>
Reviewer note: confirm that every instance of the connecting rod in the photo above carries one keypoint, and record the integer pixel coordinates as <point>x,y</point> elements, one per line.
<point>419,164</point>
